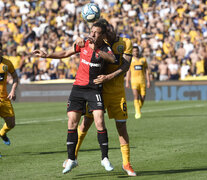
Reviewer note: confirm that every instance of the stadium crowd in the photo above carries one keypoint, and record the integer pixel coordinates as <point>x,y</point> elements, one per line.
<point>172,35</point>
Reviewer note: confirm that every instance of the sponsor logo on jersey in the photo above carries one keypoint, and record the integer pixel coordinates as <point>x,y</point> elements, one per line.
<point>120,49</point>
<point>85,51</point>
<point>5,68</point>
<point>138,67</point>
<point>90,64</point>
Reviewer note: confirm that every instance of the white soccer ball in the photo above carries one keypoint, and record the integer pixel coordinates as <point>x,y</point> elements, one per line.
<point>90,12</point>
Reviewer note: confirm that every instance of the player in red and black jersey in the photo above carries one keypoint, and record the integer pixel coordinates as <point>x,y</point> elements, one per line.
<point>93,55</point>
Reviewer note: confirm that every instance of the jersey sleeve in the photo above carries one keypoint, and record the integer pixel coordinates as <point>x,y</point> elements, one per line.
<point>10,67</point>
<point>128,49</point>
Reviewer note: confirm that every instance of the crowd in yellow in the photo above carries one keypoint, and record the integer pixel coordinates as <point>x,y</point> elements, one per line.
<point>172,35</point>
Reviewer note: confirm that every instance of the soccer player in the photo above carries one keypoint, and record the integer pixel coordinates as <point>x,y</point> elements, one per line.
<point>93,56</point>
<point>6,109</point>
<point>114,94</point>
<point>138,74</point>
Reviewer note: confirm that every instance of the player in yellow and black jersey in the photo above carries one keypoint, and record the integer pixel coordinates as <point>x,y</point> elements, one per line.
<point>138,74</point>
<point>6,109</point>
<point>114,94</point>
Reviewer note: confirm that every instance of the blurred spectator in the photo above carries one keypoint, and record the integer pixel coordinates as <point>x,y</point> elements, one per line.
<point>153,67</point>
<point>173,70</point>
<point>42,76</point>
<point>24,79</point>
<point>52,72</point>
<point>180,53</point>
<point>163,71</point>
<point>185,68</point>
<point>200,70</point>
<point>61,70</point>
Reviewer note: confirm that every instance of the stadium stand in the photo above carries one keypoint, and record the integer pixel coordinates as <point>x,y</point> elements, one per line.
<point>165,30</point>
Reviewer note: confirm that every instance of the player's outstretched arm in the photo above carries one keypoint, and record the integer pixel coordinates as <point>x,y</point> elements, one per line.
<point>54,55</point>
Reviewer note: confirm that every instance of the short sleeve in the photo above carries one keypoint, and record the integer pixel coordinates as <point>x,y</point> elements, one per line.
<point>128,49</point>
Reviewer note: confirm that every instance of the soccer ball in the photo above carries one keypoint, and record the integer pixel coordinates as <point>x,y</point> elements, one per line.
<point>90,12</point>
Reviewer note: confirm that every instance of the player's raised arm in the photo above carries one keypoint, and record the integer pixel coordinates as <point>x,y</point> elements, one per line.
<point>55,55</point>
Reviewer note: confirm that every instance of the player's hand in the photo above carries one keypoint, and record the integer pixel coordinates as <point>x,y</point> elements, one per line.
<point>101,78</point>
<point>92,44</point>
<point>127,85</point>
<point>12,96</point>
<point>39,53</point>
<point>91,40</point>
<point>80,42</point>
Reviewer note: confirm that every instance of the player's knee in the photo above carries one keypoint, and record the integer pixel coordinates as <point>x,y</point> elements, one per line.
<point>100,125</point>
<point>12,125</point>
<point>10,122</point>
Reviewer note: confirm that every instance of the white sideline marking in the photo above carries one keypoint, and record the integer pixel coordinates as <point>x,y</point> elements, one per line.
<point>173,108</point>
<point>150,110</point>
<point>42,120</point>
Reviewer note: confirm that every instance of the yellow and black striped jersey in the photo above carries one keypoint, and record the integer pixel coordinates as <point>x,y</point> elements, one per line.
<point>120,47</point>
<point>5,67</point>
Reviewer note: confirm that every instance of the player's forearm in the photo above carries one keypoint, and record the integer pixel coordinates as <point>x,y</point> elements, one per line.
<point>15,84</point>
<point>122,69</point>
<point>147,75</point>
<point>59,55</point>
<point>106,56</point>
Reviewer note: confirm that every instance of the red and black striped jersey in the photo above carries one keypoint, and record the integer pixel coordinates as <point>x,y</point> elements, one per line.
<point>91,65</point>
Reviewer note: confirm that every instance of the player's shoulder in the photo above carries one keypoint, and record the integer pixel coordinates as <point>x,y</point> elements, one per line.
<point>142,60</point>
<point>6,61</point>
<point>126,39</point>
<point>106,46</point>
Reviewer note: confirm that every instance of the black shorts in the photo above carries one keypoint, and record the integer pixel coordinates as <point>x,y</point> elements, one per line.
<point>79,97</point>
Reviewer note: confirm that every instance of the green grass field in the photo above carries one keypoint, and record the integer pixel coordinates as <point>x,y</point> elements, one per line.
<point>168,142</point>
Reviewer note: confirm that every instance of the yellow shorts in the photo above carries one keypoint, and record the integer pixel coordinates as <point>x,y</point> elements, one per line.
<point>116,106</point>
<point>6,109</point>
<point>140,87</point>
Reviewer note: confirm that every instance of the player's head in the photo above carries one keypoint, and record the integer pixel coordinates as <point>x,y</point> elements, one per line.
<point>110,32</point>
<point>98,32</point>
<point>101,26</point>
<point>135,51</point>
